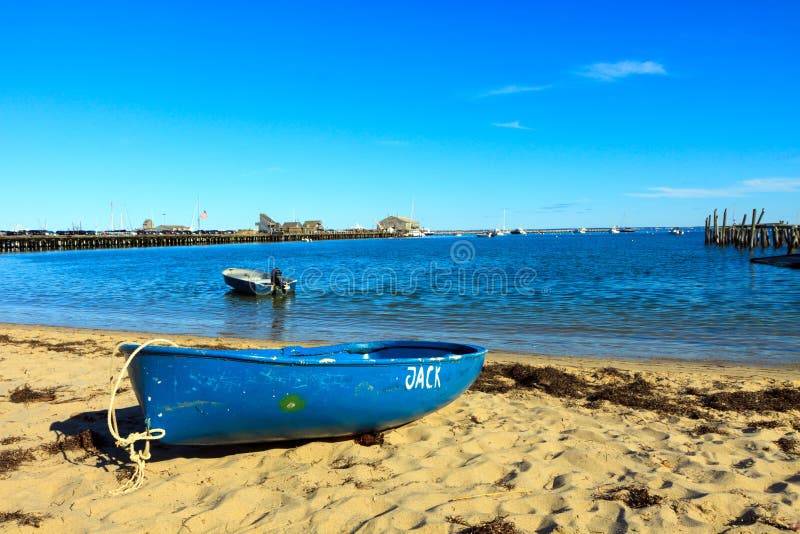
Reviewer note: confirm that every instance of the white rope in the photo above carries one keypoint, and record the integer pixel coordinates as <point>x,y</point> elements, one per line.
<point>150,434</point>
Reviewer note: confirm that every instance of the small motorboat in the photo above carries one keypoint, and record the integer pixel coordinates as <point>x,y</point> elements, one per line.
<point>193,396</point>
<point>256,282</point>
<point>792,261</point>
<point>676,231</point>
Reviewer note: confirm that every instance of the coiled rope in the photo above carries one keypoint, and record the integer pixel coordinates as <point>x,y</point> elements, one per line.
<point>150,434</point>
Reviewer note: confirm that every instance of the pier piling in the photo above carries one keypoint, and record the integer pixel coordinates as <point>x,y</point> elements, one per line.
<point>778,235</point>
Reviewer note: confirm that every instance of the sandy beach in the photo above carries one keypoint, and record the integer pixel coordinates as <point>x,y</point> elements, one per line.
<point>539,444</point>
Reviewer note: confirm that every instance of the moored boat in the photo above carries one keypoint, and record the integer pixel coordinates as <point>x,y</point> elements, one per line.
<point>196,396</point>
<point>792,261</point>
<point>256,282</point>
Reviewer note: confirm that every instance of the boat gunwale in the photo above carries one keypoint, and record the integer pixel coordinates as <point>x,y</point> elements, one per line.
<point>325,356</point>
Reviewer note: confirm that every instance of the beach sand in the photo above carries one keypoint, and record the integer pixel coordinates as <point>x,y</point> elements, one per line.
<point>567,445</point>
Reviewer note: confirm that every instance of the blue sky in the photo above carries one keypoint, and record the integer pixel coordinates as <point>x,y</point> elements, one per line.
<point>563,114</point>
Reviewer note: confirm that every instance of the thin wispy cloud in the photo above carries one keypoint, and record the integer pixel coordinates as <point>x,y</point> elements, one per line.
<point>513,89</point>
<point>622,69</point>
<point>561,207</point>
<point>514,125</point>
<point>773,185</point>
<point>744,188</point>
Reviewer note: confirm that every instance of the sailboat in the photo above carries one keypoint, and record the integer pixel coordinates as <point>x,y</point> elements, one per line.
<point>497,231</point>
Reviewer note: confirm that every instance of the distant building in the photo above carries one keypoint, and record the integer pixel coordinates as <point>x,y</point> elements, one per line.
<point>147,224</point>
<point>171,228</point>
<point>311,227</point>
<point>399,225</point>
<point>266,225</point>
<point>292,228</point>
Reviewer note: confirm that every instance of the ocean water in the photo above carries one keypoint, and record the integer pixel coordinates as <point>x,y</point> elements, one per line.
<point>631,295</point>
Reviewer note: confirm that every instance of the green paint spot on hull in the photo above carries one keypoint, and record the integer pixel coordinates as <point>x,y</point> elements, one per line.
<point>292,403</point>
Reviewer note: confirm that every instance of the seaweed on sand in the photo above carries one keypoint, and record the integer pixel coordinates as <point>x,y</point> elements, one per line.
<point>773,399</point>
<point>635,391</point>
<point>23,519</point>
<point>499,378</point>
<point>789,445</point>
<point>27,394</point>
<point>498,525</point>
<point>709,429</point>
<point>86,440</point>
<point>639,393</point>
<point>631,495</point>
<point>11,459</point>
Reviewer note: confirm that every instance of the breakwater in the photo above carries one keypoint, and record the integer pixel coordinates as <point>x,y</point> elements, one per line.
<point>752,234</point>
<point>41,243</point>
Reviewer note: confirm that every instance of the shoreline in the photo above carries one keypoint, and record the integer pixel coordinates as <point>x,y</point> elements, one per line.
<point>554,444</point>
<point>659,363</point>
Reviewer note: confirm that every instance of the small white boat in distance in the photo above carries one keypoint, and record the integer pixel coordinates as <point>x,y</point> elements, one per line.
<point>613,230</point>
<point>580,230</point>
<point>519,231</point>
<point>676,231</point>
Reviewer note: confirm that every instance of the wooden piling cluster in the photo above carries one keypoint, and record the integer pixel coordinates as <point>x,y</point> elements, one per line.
<point>752,234</point>
<point>27,243</point>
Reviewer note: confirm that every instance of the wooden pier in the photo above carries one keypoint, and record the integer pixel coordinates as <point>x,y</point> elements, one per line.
<point>42,243</point>
<point>751,234</point>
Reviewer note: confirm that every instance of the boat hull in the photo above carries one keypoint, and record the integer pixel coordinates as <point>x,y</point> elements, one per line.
<point>253,282</point>
<point>204,397</point>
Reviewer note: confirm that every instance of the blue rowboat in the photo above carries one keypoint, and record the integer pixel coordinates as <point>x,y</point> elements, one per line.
<point>255,282</point>
<point>217,397</point>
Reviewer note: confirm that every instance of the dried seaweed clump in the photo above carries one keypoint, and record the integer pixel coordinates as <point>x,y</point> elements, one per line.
<point>73,347</point>
<point>10,460</point>
<point>499,378</point>
<point>709,429</point>
<point>498,525</point>
<point>774,399</point>
<point>27,394</point>
<point>789,445</point>
<point>631,495</point>
<point>87,440</point>
<point>23,519</point>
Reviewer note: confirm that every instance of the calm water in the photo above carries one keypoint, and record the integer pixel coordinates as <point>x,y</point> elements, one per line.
<point>634,295</point>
